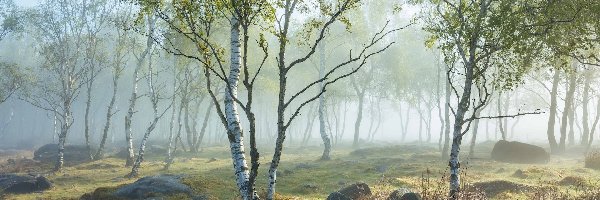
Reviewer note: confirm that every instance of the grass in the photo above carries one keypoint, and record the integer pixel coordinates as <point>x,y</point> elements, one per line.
<point>302,176</point>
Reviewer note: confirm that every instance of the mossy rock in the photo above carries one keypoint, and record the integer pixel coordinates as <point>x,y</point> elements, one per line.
<point>493,188</point>
<point>150,187</point>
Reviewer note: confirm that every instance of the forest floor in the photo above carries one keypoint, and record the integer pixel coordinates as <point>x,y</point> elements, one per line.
<point>302,176</point>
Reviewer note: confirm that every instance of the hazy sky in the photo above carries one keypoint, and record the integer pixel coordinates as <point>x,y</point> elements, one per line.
<point>26,2</point>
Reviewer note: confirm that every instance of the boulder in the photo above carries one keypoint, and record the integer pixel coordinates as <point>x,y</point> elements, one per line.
<point>572,181</point>
<point>493,188</point>
<point>154,186</point>
<point>17,184</point>
<point>355,191</point>
<point>337,196</point>
<point>404,194</point>
<point>520,153</point>
<point>74,154</point>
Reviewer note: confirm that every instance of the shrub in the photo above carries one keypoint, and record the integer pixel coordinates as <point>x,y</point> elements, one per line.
<point>592,160</point>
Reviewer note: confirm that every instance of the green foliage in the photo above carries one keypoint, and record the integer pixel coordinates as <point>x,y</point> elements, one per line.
<point>10,17</point>
<point>510,37</point>
<point>13,79</point>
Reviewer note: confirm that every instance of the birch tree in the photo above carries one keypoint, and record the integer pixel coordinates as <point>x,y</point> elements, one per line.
<point>140,58</point>
<point>95,20</point>
<point>155,94</point>
<point>199,17</point>
<point>335,11</point>
<point>119,57</point>
<point>467,31</point>
<point>58,26</point>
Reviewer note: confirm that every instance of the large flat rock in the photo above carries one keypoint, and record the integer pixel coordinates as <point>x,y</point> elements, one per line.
<point>19,184</point>
<point>520,153</point>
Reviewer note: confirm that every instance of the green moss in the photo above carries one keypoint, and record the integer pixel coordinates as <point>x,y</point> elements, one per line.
<point>102,193</point>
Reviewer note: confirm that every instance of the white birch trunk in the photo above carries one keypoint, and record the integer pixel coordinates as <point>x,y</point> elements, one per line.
<point>324,135</point>
<point>234,129</point>
<point>134,95</point>
<point>62,138</point>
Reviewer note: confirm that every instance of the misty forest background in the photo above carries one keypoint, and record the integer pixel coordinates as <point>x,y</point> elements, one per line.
<point>259,76</point>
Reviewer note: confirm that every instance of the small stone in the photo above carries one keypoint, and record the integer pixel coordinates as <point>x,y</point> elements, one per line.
<point>404,194</point>
<point>519,174</point>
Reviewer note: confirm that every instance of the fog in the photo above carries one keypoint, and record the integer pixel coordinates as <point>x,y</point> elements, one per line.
<point>391,90</point>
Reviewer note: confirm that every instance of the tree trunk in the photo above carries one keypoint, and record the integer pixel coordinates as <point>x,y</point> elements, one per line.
<point>234,129</point>
<point>154,99</point>
<point>572,122</point>
<point>169,157</point>
<point>361,99</point>
<point>474,132</point>
<point>568,106</point>
<point>172,148</point>
<point>439,103</point>
<point>593,130</point>
<point>62,138</point>
<point>189,130</point>
<point>429,124</point>
<point>500,120</point>
<point>552,115</point>
<point>203,128</point>
<point>463,107</point>
<point>512,128</point>
<point>371,118</point>
<point>487,130</point>
<point>448,93</point>
<point>324,135</point>
<point>585,102</point>
<point>344,117</point>
<point>421,119</point>
<point>506,108</point>
<point>109,114</point>
<point>406,122</point>
<point>88,104</point>
<point>134,95</point>
<point>379,121</point>
<point>61,150</point>
<point>310,119</point>
<point>140,157</point>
